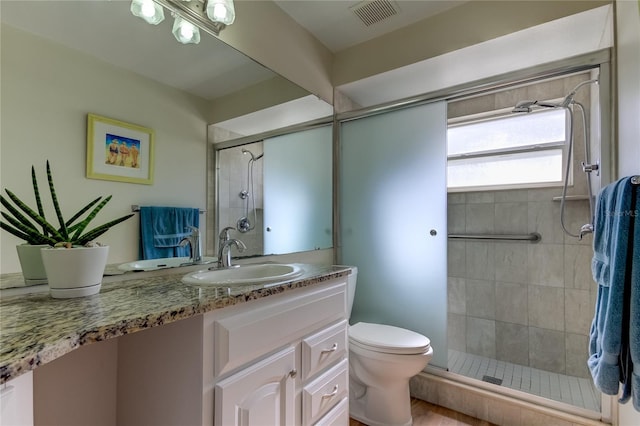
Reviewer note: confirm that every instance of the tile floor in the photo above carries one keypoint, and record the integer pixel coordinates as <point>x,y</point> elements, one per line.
<point>576,391</point>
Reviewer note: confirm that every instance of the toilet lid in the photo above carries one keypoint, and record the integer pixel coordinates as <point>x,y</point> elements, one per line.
<point>388,339</point>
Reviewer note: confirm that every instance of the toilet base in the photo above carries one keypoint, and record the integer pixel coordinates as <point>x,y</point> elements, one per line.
<point>388,407</point>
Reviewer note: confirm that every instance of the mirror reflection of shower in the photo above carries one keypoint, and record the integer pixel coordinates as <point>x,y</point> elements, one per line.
<point>569,103</point>
<point>244,224</point>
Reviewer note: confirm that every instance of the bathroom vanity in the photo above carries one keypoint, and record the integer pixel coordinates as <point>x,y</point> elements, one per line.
<point>150,351</point>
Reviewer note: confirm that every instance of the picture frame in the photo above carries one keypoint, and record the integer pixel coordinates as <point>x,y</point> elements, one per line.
<point>119,151</point>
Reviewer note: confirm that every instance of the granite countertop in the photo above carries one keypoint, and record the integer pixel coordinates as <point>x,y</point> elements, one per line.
<point>36,329</point>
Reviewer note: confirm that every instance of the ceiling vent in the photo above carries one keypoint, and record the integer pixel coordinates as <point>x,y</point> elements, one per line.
<point>374,11</point>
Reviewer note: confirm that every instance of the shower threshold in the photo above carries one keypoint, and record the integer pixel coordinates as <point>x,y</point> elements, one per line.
<point>575,391</point>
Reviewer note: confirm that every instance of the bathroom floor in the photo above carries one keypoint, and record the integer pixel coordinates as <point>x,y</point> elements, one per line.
<point>576,391</point>
<point>426,414</point>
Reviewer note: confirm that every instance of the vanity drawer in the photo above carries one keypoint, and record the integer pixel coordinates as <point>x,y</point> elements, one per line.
<point>323,348</point>
<point>258,329</point>
<point>338,416</point>
<point>322,394</point>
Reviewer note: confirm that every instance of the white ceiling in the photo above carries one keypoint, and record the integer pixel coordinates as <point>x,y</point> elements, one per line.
<point>337,27</point>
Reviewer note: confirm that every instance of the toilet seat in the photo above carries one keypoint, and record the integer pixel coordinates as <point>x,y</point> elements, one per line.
<point>388,339</point>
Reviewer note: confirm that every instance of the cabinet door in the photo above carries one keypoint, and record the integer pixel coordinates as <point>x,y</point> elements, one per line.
<point>16,401</point>
<point>261,394</point>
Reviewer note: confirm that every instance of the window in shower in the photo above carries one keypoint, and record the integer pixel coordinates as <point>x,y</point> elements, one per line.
<point>515,150</point>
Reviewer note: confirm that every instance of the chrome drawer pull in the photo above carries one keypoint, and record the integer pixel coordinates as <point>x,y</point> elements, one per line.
<point>332,349</point>
<point>332,394</point>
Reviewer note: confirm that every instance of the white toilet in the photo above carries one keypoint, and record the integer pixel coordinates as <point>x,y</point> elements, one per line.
<point>382,359</point>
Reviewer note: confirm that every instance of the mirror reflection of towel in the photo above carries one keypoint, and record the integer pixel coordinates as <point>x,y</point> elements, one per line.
<point>162,229</point>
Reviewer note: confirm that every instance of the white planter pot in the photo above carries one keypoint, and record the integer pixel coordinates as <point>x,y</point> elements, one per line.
<point>74,272</point>
<point>31,263</point>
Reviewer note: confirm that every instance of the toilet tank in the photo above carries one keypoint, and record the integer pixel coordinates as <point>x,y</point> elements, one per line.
<point>351,289</point>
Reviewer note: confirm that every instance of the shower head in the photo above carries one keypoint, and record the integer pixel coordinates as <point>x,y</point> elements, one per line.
<point>527,106</point>
<point>523,106</point>
<point>253,157</point>
<point>568,100</point>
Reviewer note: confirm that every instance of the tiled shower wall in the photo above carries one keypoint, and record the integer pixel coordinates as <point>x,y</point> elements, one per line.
<point>526,303</point>
<point>233,178</point>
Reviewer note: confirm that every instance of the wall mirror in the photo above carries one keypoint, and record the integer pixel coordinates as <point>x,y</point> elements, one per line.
<point>210,70</point>
<point>276,190</point>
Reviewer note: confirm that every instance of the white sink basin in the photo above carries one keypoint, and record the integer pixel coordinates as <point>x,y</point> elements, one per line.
<point>154,264</point>
<point>245,274</point>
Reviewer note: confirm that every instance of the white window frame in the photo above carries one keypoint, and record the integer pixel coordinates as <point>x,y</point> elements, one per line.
<point>502,114</point>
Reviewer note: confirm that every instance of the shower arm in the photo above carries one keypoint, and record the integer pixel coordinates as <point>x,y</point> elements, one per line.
<point>243,224</point>
<point>568,100</point>
<point>527,106</point>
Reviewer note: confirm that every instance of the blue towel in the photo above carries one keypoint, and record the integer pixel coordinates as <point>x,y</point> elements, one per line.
<point>162,229</point>
<point>632,383</point>
<point>611,245</point>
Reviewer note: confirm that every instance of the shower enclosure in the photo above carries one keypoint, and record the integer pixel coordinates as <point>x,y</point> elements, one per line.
<point>519,312</point>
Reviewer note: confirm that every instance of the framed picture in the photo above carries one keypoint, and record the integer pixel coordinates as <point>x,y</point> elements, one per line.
<point>119,151</point>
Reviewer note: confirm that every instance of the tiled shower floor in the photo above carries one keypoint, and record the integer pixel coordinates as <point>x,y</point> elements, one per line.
<point>576,391</point>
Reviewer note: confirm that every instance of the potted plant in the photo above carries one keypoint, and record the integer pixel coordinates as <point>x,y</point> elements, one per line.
<point>73,262</point>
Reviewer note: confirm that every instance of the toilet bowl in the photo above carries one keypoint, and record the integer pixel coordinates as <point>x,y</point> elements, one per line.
<point>382,359</point>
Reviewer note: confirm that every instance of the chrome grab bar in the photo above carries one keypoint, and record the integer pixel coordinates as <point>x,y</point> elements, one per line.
<point>534,237</point>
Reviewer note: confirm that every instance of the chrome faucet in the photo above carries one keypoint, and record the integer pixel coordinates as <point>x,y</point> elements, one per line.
<point>194,242</point>
<point>224,243</point>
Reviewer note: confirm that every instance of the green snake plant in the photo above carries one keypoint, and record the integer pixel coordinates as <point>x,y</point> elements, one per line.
<point>32,226</point>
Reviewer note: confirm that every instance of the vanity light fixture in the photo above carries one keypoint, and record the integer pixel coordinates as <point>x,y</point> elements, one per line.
<point>212,16</point>
<point>189,16</point>
<point>148,10</point>
<point>221,12</point>
<point>184,31</point>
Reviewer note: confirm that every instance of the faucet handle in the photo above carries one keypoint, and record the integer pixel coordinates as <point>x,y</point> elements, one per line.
<point>240,246</point>
<point>194,230</point>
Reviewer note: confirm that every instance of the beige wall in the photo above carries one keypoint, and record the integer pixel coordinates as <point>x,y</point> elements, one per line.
<point>628,55</point>
<point>70,381</point>
<point>47,92</point>
<point>263,95</point>
<point>462,26</point>
<point>269,36</point>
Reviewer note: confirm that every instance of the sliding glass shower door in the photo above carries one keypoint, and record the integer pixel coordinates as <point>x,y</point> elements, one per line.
<point>393,214</point>
<point>298,194</point>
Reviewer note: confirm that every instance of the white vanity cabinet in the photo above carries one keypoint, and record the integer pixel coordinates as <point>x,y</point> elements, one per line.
<point>282,361</point>
<point>276,360</point>
<point>16,401</point>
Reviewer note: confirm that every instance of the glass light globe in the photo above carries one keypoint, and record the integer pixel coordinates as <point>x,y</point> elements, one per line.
<point>148,10</point>
<point>185,32</point>
<point>221,11</point>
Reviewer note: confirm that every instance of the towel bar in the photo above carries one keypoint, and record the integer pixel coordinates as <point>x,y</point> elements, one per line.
<point>136,208</point>
<point>534,237</point>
